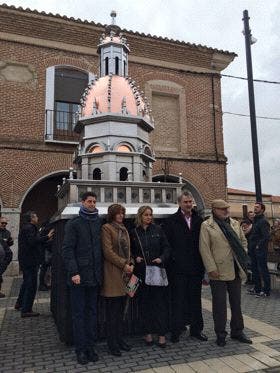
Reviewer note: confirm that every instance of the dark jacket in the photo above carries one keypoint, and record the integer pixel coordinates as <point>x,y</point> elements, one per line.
<point>185,256</point>
<point>81,250</point>
<point>260,234</point>
<point>6,238</point>
<point>30,246</point>
<point>154,244</point>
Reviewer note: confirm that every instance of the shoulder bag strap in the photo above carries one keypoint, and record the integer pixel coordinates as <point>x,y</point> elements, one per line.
<point>141,247</point>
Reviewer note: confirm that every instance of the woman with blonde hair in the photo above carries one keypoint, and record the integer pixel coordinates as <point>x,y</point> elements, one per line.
<point>150,248</point>
<point>117,265</point>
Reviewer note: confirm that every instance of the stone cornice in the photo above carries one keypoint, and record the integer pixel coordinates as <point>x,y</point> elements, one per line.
<point>218,62</point>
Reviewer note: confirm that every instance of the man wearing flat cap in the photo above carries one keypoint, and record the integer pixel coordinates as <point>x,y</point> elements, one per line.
<point>223,248</point>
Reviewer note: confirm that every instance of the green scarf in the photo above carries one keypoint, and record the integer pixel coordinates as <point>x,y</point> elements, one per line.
<point>235,243</point>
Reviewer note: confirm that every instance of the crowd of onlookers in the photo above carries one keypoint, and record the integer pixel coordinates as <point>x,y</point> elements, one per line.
<point>102,258</point>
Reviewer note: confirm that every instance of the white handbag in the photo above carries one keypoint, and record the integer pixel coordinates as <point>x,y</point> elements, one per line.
<point>155,276</point>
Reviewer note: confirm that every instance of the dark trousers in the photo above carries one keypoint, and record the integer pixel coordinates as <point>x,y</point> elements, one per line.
<point>28,289</point>
<point>84,316</point>
<point>42,273</point>
<point>154,309</point>
<point>114,320</point>
<point>219,291</point>
<point>186,303</point>
<point>5,262</point>
<point>260,270</point>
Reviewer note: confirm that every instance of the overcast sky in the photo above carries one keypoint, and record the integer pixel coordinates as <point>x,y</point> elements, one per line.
<point>218,24</point>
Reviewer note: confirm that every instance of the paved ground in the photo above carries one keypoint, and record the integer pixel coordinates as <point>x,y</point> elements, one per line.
<point>32,345</point>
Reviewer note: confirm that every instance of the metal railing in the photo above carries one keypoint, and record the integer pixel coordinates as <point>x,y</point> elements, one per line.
<point>60,126</point>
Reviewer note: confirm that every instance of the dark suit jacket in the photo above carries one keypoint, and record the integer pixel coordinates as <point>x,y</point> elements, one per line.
<point>185,257</point>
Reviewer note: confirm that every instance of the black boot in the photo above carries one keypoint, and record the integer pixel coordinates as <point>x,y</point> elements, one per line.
<point>82,358</point>
<point>124,346</point>
<point>92,355</point>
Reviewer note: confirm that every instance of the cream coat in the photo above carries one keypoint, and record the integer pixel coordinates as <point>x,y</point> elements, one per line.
<point>216,252</point>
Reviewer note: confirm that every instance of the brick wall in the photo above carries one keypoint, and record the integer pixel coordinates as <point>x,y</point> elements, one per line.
<point>186,105</point>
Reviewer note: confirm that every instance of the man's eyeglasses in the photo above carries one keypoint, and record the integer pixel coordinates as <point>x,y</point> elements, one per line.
<point>3,223</point>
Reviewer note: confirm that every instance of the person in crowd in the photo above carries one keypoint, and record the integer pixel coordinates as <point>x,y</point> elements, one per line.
<point>82,256</point>
<point>46,257</point>
<point>223,249</point>
<point>150,247</point>
<point>6,242</point>
<point>259,240</point>
<point>186,268</point>
<point>29,251</point>
<point>275,234</point>
<point>118,266</point>
<point>250,215</point>
<point>246,226</point>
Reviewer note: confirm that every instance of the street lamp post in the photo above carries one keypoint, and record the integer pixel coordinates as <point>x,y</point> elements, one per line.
<point>248,41</point>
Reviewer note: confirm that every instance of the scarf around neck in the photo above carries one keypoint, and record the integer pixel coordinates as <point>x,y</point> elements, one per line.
<point>123,240</point>
<point>240,254</point>
<point>87,214</point>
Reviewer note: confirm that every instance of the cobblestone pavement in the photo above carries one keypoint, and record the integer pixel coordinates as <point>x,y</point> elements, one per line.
<point>32,345</point>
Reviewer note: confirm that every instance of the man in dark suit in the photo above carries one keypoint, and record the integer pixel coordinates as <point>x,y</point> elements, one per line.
<point>29,252</point>
<point>81,252</point>
<point>186,268</point>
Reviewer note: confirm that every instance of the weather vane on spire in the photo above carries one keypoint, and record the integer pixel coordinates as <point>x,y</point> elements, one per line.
<point>113,15</point>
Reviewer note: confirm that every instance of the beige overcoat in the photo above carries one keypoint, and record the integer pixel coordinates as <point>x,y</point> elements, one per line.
<point>113,283</point>
<point>216,252</point>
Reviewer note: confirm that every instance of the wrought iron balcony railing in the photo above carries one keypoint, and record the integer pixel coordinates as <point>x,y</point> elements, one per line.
<point>60,126</point>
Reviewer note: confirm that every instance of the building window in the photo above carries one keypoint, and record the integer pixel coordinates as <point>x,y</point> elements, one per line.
<point>96,175</point>
<point>64,88</point>
<point>117,65</point>
<point>123,174</point>
<point>96,149</point>
<point>123,149</point>
<point>124,68</point>
<point>107,66</point>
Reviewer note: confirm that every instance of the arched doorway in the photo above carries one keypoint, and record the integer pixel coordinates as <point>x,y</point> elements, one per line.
<point>186,185</point>
<point>41,196</point>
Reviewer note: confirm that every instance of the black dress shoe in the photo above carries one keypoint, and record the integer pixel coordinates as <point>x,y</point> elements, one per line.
<point>221,341</point>
<point>115,351</point>
<point>200,336</point>
<point>30,314</point>
<point>174,338</point>
<point>92,355</point>
<point>242,338</point>
<point>124,346</point>
<point>149,343</point>
<point>43,287</point>
<point>82,358</point>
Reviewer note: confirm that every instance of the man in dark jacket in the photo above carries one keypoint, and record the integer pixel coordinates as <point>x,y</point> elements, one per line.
<point>186,268</point>
<point>7,255</point>
<point>81,253</point>
<point>259,238</point>
<point>29,251</point>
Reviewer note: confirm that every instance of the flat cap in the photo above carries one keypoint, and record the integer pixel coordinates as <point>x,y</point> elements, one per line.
<point>220,204</point>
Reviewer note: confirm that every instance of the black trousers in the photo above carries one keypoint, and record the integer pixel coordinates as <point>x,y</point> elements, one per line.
<point>186,303</point>
<point>114,320</point>
<point>28,289</point>
<point>219,291</point>
<point>154,309</point>
<point>84,316</point>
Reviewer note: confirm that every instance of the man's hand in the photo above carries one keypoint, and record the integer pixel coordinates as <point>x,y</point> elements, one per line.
<point>51,234</point>
<point>157,261</point>
<point>214,274</point>
<point>139,259</point>
<point>76,279</point>
<point>128,268</point>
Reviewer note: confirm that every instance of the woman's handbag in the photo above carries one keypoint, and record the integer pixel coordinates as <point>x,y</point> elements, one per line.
<point>155,276</point>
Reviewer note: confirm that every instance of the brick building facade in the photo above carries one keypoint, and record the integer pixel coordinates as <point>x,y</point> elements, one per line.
<point>41,55</point>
